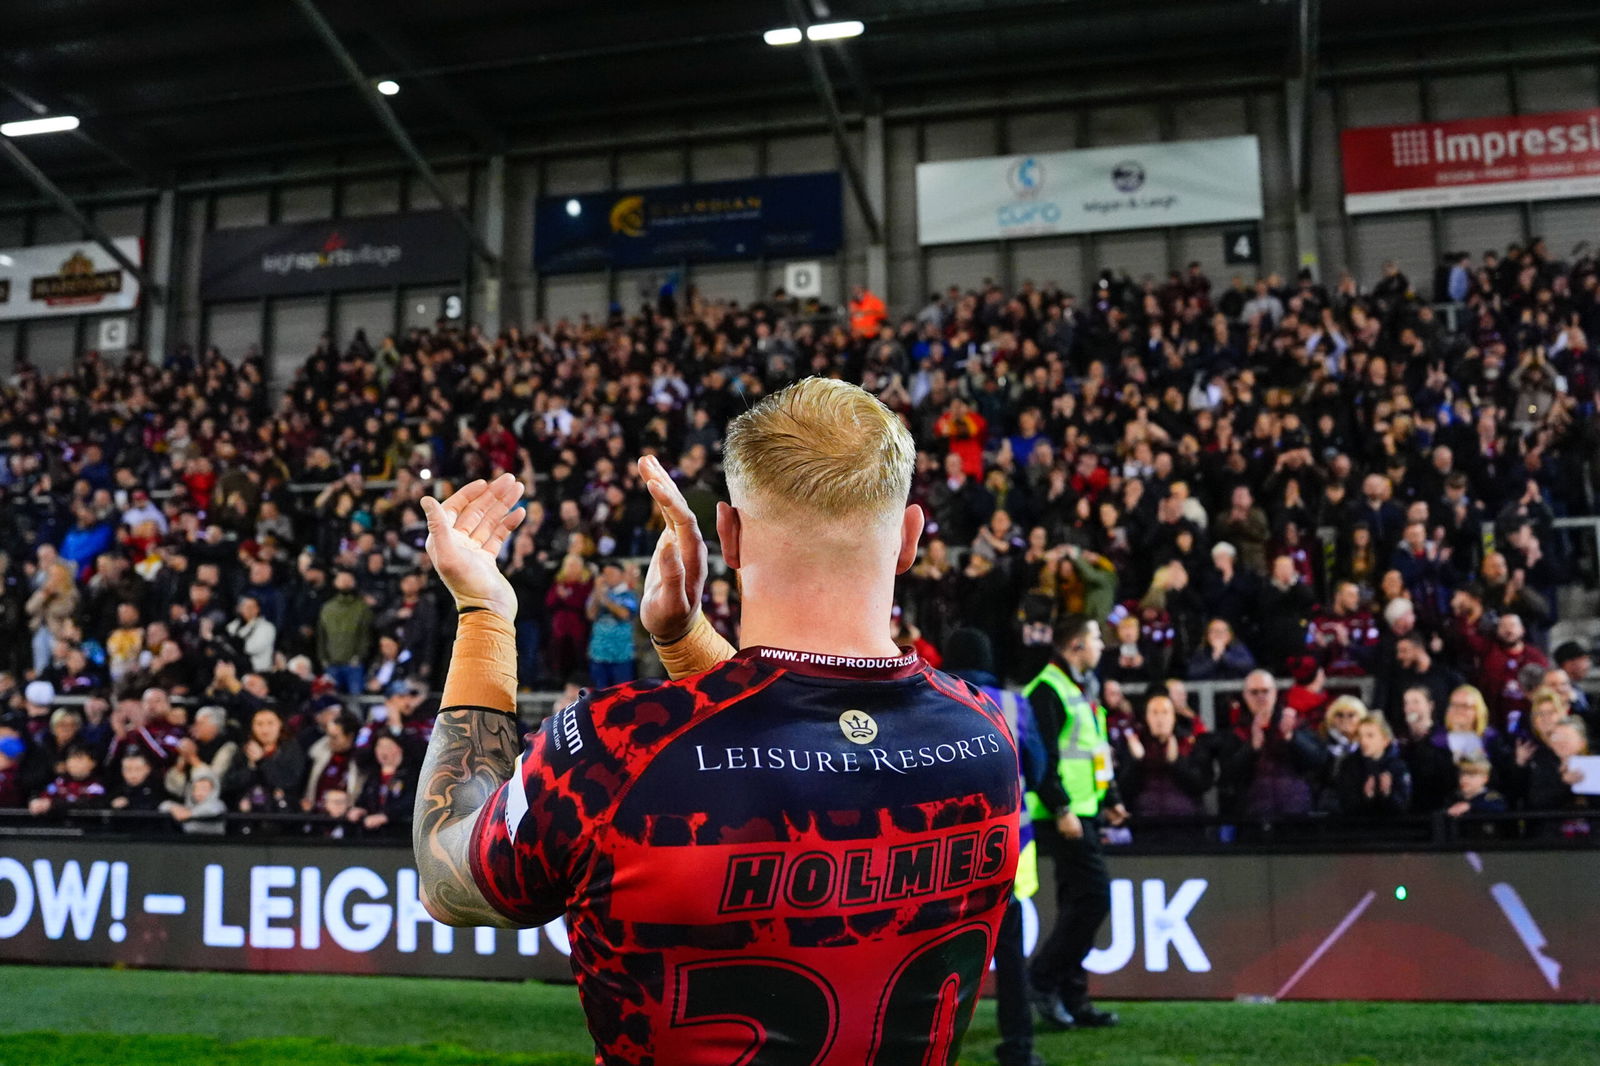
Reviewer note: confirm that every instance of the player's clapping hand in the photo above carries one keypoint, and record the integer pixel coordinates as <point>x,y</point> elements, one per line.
<point>677,577</point>
<point>465,533</point>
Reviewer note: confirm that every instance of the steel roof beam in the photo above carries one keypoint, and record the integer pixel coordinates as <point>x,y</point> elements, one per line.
<point>841,137</point>
<point>1307,33</point>
<point>41,181</point>
<point>445,97</point>
<point>397,132</point>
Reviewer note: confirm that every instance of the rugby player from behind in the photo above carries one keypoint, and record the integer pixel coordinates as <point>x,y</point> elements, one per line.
<point>797,852</point>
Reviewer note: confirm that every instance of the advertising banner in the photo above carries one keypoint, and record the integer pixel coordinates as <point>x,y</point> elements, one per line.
<point>1134,186</point>
<point>784,217</point>
<point>316,257</point>
<point>1385,926</point>
<point>67,279</point>
<point>296,908</point>
<point>1438,925</point>
<point>1505,159</point>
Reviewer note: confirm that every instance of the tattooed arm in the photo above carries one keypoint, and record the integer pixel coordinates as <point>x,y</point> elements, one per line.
<point>476,737</point>
<point>470,755</point>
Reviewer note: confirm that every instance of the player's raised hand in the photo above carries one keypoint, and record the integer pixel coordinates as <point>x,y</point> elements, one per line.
<point>465,533</point>
<point>677,576</point>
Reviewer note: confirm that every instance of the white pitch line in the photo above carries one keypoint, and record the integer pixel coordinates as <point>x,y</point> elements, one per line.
<point>1332,938</point>
<point>165,904</point>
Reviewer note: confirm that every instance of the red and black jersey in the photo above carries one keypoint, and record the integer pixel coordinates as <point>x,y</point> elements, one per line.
<point>788,858</point>
<point>82,793</point>
<point>1349,654</point>
<point>159,739</point>
<point>335,775</point>
<point>1156,626</point>
<point>1501,681</point>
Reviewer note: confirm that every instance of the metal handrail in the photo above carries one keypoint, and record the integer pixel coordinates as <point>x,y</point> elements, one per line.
<point>1205,693</point>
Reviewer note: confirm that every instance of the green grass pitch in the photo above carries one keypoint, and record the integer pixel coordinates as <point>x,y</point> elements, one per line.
<point>88,1017</point>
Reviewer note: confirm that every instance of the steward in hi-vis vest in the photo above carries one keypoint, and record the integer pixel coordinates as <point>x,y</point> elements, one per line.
<point>1083,765</point>
<point>1077,788</point>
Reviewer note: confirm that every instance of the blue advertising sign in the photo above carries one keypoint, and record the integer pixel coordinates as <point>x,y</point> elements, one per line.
<point>778,217</point>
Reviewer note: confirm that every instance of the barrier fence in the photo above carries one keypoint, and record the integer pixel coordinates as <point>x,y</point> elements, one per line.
<point>1205,697</point>
<point>1451,924</point>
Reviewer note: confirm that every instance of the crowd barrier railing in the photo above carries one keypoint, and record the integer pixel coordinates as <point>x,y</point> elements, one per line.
<point>1207,697</point>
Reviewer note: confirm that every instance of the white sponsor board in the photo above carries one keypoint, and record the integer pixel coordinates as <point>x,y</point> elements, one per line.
<point>67,279</point>
<point>1135,186</point>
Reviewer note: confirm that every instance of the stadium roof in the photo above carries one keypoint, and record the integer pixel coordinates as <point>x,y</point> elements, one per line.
<point>166,86</point>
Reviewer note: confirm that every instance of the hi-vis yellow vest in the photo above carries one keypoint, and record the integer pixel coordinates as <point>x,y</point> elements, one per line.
<point>1084,747</point>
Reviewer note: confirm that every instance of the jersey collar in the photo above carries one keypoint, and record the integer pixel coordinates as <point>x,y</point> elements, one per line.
<point>820,664</point>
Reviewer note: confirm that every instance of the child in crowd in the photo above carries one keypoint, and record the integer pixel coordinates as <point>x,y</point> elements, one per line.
<point>78,788</point>
<point>1475,796</point>
<point>335,803</point>
<point>202,808</point>
<point>138,791</point>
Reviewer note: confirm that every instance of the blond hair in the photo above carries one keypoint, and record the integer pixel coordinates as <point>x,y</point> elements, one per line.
<point>823,447</point>
<point>1542,695</point>
<point>1480,706</point>
<point>1373,718</point>
<point>1343,703</point>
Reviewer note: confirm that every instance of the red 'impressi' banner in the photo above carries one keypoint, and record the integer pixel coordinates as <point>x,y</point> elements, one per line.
<point>1504,159</point>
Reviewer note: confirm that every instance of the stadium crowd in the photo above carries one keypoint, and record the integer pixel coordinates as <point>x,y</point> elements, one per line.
<point>1244,482</point>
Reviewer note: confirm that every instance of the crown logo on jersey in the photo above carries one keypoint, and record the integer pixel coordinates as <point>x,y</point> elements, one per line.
<point>858,727</point>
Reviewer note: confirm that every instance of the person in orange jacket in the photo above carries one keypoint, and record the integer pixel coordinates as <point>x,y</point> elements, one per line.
<point>867,312</point>
<point>965,431</point>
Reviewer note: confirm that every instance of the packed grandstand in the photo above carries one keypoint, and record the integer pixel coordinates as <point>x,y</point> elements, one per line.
<point>1332,507</point>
